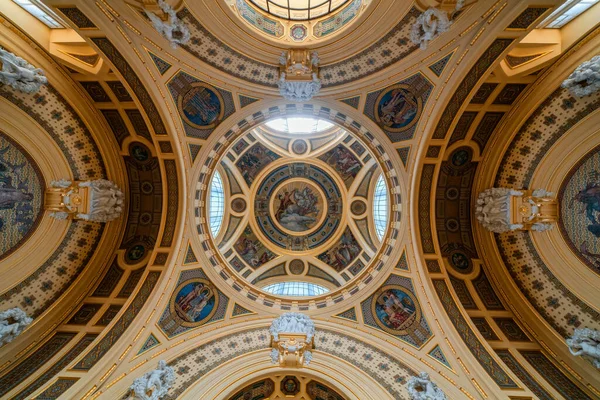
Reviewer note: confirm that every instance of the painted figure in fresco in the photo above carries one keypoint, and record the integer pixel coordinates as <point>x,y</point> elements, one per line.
<point>297,209</point>
<point>343,254</point>
<point>251,250</point>
<point>343,161</point>
<point>201,106</point>
<point>399,110</point>
<point>189,306</point>
<point>253,161</point>
<point>394,308</point>
<point>11,196</point>
<point>590,198</point>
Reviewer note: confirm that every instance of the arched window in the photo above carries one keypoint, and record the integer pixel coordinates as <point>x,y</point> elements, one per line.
<point>380,207</point>
<point>216,204</point>
<point>296,289</point>
<point>299,10</point>
<point>299,125</point>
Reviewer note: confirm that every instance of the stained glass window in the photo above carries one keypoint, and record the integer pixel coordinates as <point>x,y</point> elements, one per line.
<point>380,207</point>
<point>216,204</point>
<point>296,289</point>
<point>299,10</point>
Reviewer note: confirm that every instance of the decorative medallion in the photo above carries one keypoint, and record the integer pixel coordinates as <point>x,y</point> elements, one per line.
<point>238,205</point>
<point>358,207</point>
<point>194,302</point>
<point>296,267</point>
<point>396,310</point>
<point>299,147</point>
<point>461,157</point>
<point>139,152</point>
<point>298,206</point>
<point>201,106</point>
<point>21,195</point>
<point>290,386</point>
<point>460,262</point>
<point>298,32</point>
<point>398,108</point>
<point>135,253</point>
<point>579,200</point>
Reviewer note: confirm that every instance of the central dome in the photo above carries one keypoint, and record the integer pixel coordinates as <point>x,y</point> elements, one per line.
<point>298,202</point>
<point>299,10</point>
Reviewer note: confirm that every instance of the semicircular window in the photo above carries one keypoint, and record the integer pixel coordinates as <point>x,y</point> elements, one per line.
<point>216,204</point>
<point>296,289</point>
<point>380,207</point>
<point>299,10</point>
<point>299,125</point>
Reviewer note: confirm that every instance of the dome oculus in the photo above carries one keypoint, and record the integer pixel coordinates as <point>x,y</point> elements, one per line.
<point>299,10</point>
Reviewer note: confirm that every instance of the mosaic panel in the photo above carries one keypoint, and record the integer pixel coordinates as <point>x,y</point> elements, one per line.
<point>511,330</point>
<point>438,67</point>
<point>343,254</point>
<point>483,93</point>
<point>85,314</point>
<point>22,188</point>
<point>462,127</point>
<point>161,65</point>
<point>255,160</point>
<point>527,18</point>
<point>151,342</point>
<point>260,21</point>
<point>335,22</point>
<point>554,375</point>
<point>278,270</point>
<point>117,124</point>
<point>352,101</point>
<point>35,361</point>
<point>486,128</point>
<point>486,292</point>
<point>424,206</point>
<point>120,91</point>
<point>523,375</point>
<point>488,58</point>
<point>109,281</point>
<point>255,391</point>
<point>110,313</point>
<point>57,389</point>
<point>190,257</point>
<point>403,263</point>
<point>172,203</point>
<point>318,391</point>
<point>195,302</point>
<point>239,310</point>
<point>57,367</point>
<point>397,108</point>
<point>317,272</point>
<point>484,328</point>
<point>251,249</point>
<point>95,90</point>
<point>516,61</point>
<point>77,17</point>
<point>111,337</point>
<point>403,153</point>
<point>247,100</point>
<point>438,355</point>
<point>488,363</point>
<point>344,162</point>
<point>463,294</point>
<point>509,93</point>
<point>201,106</point>
<point>348,314</point>
<point>194,150</point>
<point>580,209</point>
<point>395,309</point>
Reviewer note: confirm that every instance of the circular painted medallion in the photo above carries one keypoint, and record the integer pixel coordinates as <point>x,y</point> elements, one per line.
<point>201,106</point>
<point>398,108</point>
<point>298,206</point>
<point>194,302</point>
<point>238,205</point>
<point>296,267</point>
<point>298,32</point>
<point>460,262</point>
<point>396,310</point>
<point>358,207</point>
<point>579,199</point>
<point>299,147</point>
<point>21,195</point>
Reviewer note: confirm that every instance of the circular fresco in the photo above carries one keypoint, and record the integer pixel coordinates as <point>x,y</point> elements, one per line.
<point>296,267</point>
<point>396,310</point>
<point>201,106</point>
<point>358,207</point>
<point>21,195</point>
<point>579,199</point>
<point>460,261</point>
<point>238,205</point>
<point>194,302</point>
<point>398,108</point>
<point>298,206</point>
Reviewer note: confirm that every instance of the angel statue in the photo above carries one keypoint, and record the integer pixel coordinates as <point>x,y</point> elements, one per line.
<point>422,388</point>
<point>155,384</point>
<point>12,323</point>
<point>175,31</point>
<point>19,74</point>
<point>431,24</point>
<point>586,342</point>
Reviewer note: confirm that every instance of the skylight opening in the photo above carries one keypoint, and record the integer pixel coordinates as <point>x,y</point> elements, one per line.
<point>380,207</point>
<point>299,125</point>
<point>296,289</point>
<point>567,12</point>
<point>299,10</point>
<point>41,12</point>
<point>216,204</point>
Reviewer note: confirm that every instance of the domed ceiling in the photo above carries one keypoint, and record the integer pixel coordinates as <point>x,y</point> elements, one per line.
<point>299,194</point>
<point>355,208</point>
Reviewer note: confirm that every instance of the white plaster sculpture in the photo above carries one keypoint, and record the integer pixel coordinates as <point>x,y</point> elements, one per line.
<point>432,23</point>
<point>501,210</point>
<point>155,384</point>
<point>422,388</point>
<point>12,323</point>
<point>292,334</point>
<point>293,323</point>
<point>105,200</point>
<point>586,342</point>
<point>19,74</point>
<point>493,209</point>
<point>299,90</point>
<point>174,30</point>
<point>585,80</point>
